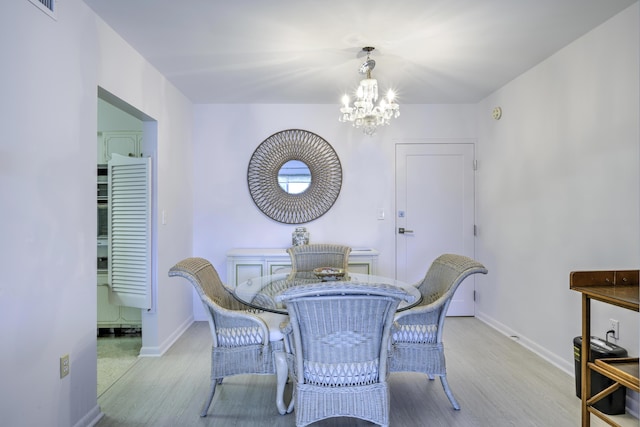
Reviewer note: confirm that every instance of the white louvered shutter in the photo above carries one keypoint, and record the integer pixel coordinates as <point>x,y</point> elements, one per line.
<point>130,231</point>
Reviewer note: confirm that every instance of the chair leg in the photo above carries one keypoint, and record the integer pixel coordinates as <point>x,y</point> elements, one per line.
<point>207,403</point>
<point>290,408</point>
<point>447,391</point>
<point>282,373</point>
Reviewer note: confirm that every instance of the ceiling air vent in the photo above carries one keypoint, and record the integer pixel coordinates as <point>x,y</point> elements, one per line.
<point>47,6</point>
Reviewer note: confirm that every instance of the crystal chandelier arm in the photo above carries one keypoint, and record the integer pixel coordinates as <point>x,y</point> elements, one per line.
<point>364,112</point>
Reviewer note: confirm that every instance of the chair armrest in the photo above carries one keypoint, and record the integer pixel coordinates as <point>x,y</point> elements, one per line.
<point>238,318</point>
<point>435,306</point>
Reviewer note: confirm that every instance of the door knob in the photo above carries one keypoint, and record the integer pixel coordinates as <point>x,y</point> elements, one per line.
<point>401,230</point>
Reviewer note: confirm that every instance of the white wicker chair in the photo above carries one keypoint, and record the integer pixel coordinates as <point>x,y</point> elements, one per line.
<point>417,335</point>
<point>337,343</point>
<point>305,258</point>
<point>245,341</point>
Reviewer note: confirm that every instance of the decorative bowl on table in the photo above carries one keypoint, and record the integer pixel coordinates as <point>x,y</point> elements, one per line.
<point>328,273</point>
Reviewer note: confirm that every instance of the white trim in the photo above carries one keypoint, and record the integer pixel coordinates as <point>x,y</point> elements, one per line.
<point>147,351</point>
<point>631,402</point>
<point>51,12</point>
<point>554,359</point>
<point>91,418</point>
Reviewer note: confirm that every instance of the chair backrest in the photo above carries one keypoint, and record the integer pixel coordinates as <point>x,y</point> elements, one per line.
<point>437,289</point>
<point>341,331</point>
<point>206,281</point>
<point>316,255</point>
<point>230,324</point>
<point>445,275</point>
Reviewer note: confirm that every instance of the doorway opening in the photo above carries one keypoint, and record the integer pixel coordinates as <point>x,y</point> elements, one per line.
<point>123,331</point>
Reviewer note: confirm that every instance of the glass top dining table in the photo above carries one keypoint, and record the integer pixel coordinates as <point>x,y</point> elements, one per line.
<point>260,292</point>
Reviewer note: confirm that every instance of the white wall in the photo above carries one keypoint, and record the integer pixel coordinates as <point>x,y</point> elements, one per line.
<point>48,154</point>
<point>568,169</point>
<point>557,186</point>
<point>225,137</point>
<point>126,75</point>
<point>47,188</point>
<point>558,189</point>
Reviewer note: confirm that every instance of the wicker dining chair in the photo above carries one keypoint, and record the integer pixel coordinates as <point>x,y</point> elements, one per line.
<point>417,336</point>
<point>245,341</point>
<point>305,258</point>
<point>337,343</point>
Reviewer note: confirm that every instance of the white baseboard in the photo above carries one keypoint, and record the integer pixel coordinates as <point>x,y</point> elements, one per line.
<point>631,402</point>
<point>91,418</point>
<point>149,351</point>
<point>552,358</point>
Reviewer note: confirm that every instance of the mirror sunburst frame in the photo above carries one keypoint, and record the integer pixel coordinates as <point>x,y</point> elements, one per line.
<point>268,159</point>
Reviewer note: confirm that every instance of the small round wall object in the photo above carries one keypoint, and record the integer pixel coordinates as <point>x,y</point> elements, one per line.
<point>496,113</point>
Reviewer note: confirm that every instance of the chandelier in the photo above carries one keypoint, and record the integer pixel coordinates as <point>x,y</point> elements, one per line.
<point>365,113</point>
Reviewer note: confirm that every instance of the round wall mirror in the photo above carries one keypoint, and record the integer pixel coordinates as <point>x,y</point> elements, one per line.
<point>294,176</point>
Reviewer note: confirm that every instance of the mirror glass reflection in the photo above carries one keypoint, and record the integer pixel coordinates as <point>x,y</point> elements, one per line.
<point>294,177</point>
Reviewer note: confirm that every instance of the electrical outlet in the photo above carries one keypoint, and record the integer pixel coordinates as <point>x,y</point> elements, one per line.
<point>614,326</point>
<point>64,366</point>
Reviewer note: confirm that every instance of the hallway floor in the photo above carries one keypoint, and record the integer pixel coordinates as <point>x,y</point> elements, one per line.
<point>116,355</point>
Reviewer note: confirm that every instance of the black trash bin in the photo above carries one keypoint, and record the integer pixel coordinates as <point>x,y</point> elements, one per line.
<point>614,403</point>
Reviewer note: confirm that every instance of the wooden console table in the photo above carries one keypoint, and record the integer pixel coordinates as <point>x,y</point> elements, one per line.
<point>619,288</point>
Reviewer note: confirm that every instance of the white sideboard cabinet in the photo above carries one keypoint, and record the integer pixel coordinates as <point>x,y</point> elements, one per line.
<point>244,264</point>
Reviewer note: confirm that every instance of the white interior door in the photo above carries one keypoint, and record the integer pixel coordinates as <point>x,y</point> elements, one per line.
<point>130,231</point>
<point>435,207</point>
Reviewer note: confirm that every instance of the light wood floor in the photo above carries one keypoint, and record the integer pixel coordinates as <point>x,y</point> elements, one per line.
<point>497,383</point>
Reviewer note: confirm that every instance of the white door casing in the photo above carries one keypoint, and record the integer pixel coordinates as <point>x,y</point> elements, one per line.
<point>435,205</point>
<point>130,231</point>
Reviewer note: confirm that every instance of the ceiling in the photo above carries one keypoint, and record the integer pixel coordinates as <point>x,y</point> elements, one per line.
<point>309,51</point>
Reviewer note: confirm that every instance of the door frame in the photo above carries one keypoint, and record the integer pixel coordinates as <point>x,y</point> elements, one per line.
<point>468,232</point>
<point>150,339</point>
